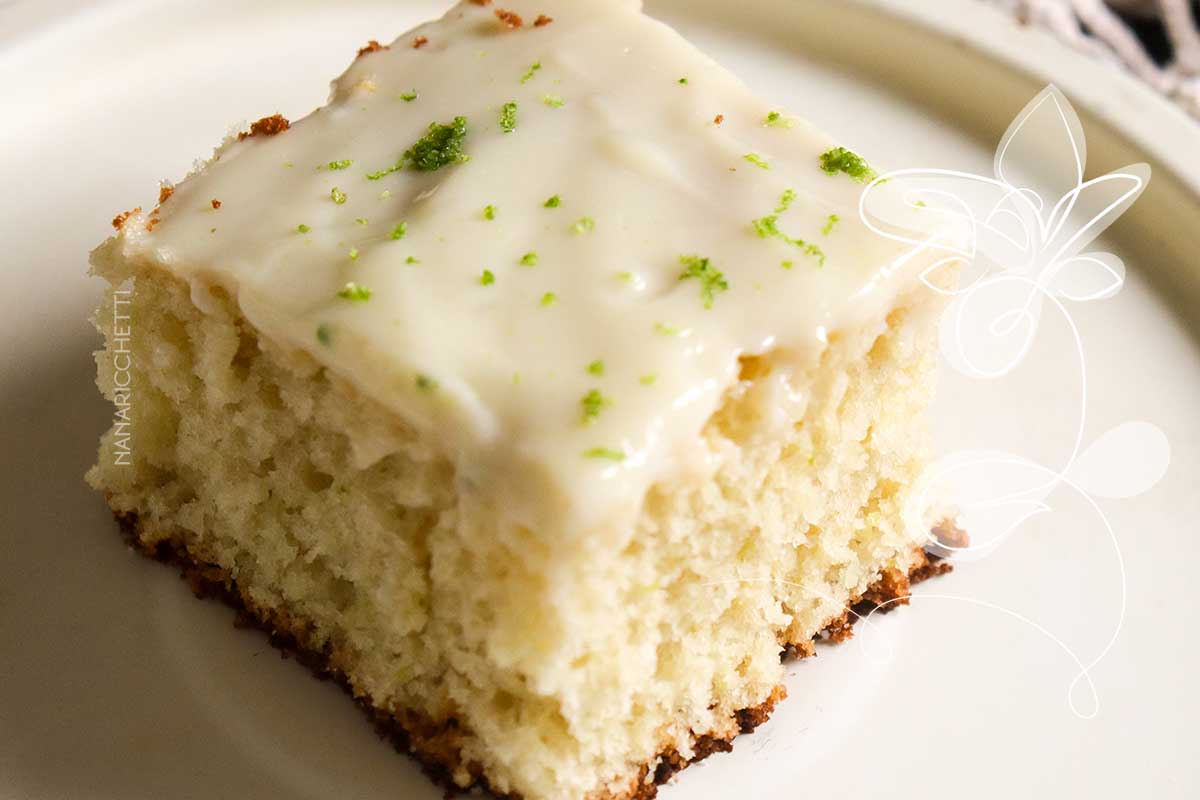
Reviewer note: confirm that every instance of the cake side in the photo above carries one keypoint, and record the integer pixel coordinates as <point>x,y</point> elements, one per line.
<point>567,666</point>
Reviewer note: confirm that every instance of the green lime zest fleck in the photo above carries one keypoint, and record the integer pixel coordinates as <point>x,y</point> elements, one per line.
<point>508,116</point>
<point>400,231</point>
<point>374,176</point>
<point>553,202</point>
<point>593,403</point>
<point>337,195</point>
<point>606,453</point>
<point>489,212</point>
<point>409,96</point>
<point>530,259</point>
<point>596,368</point>
<point>768,228</point>
<point>830,221</point>
<point>302,228</point>
<point>361,220</point>
<point>528,76</point>
<point>412,260</point>
<point>353,254</point>
<point>785,201</point>
<point>583,225</point>
<point>683,81</point>
<point>920,203</point>
<point>711,279</point>
<point>553,100</point>
<point>756,160</point>
<point>343,164</point>
<point>356,292</point>
<point>440,147</point>
<point>666,330</point>
<point>777,120</point>
<point>487,278</point>
<point>324,335</point>
<point>288,164</point>
<point>648,379</point>
<point>548,299</point>
<point>839,159</point>
<point>385,194</point>
<point>425,383</point>
<point>816,252</point>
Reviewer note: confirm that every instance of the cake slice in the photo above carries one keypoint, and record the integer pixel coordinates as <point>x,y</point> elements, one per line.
<point>544,386</point>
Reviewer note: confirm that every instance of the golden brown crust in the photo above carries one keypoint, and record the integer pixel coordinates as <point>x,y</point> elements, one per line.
<point>838,630</point>
<point>930,567</point>
<point>437,744</point>
<point>119,220</point>
<point>892,589</point>
<point>267,126</point>
<point>371,47</point>
<point>420,42</point>
<point>542,21</point>
<point>509,19</point>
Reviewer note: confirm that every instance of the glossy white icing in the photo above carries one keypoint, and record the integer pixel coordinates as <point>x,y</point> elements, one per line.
<point>495,371</point>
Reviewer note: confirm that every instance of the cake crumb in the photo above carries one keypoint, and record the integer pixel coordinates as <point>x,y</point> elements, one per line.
<point>482,2</point>
<point>267,126</point>
<point>891,590</point>
<point>420,42</point>
<point>840,629</point>
<point>164,193</point>
<point>542,21</point>
<point>216,203</point>
<point>750,718</point>
<point>119,219</point>
<point>718,119</point>
<point>372,46</point>
<point>510,19</point>
<point>950,536</point>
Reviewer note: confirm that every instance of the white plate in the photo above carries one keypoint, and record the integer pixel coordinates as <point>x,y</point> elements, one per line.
<point>116,685</point>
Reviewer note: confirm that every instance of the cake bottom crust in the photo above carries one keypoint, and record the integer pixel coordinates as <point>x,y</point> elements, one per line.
<point>436,744</point>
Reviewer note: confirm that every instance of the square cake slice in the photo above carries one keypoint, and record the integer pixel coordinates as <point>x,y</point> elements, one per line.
<point>544,386</point>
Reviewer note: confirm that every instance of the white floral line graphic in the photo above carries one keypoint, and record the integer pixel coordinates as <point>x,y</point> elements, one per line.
<point>1018,239</point>
<point>1017,251</point>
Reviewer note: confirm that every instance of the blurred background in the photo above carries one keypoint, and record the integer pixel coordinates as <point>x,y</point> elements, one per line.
<point>1156,40</point>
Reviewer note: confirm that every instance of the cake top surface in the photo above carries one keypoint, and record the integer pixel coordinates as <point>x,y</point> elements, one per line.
<point>547,244</point>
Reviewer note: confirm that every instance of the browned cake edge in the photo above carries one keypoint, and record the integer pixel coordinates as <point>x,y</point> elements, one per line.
<point>436,744</point>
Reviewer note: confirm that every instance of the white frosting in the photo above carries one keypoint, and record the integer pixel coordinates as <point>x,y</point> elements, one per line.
<point>634,149</point>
